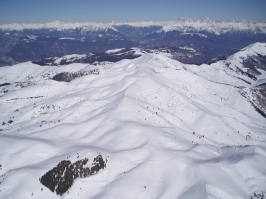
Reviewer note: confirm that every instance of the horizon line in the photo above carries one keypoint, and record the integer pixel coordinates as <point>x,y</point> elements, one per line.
<point>131,21</point>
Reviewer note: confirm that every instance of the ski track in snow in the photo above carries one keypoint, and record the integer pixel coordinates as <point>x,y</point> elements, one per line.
<point>168,130</point>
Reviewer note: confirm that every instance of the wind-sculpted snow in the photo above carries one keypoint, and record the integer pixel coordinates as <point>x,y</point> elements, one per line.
<point>168,130</point>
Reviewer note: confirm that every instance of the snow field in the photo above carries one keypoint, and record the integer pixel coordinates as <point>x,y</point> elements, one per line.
<point>168,130</point>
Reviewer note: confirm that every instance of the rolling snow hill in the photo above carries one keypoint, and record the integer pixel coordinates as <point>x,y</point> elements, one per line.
<point>150,127</point>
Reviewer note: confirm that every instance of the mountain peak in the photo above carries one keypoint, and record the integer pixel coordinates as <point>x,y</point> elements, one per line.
<point>209,25</point>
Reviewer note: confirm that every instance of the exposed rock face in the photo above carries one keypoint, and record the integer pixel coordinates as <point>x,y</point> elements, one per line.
<point>257,97</point>
<point>254,64</point>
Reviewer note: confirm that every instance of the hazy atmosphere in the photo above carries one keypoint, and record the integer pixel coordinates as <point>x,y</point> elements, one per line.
<point>32,11</point>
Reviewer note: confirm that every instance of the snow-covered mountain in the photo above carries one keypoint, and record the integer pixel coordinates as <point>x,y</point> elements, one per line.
<point>149,127</point>
<point>184,25</point>
<point>209,39</point>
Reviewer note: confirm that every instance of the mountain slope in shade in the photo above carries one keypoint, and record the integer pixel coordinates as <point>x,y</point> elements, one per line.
<point>165,129</point>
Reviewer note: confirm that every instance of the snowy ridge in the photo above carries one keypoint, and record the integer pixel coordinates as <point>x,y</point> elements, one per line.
<point>167,129</point>
<point>232,64</point>
<point>114,50</point>
<point>67,58</point>
<point>251,50</point>
<point>183,25</point>
<point>237,60</point>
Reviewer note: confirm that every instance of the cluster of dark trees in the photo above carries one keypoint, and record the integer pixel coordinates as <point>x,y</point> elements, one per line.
<point>69,76</point>
<point>61,177</point>
<point>90,59</point>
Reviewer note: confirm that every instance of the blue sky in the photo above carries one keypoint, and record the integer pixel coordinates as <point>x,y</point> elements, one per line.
<point>37,11</point>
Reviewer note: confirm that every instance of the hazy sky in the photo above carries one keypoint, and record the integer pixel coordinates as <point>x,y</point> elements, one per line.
<point>40,11</point>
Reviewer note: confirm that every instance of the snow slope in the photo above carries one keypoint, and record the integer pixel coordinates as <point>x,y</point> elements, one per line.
<point>168,130</point>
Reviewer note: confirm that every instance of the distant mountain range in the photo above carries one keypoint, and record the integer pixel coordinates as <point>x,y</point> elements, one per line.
<point>189,40</point>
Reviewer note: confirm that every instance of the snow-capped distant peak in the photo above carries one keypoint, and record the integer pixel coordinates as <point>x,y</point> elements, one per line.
<point>58,25</point>
<point>184,25</point>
